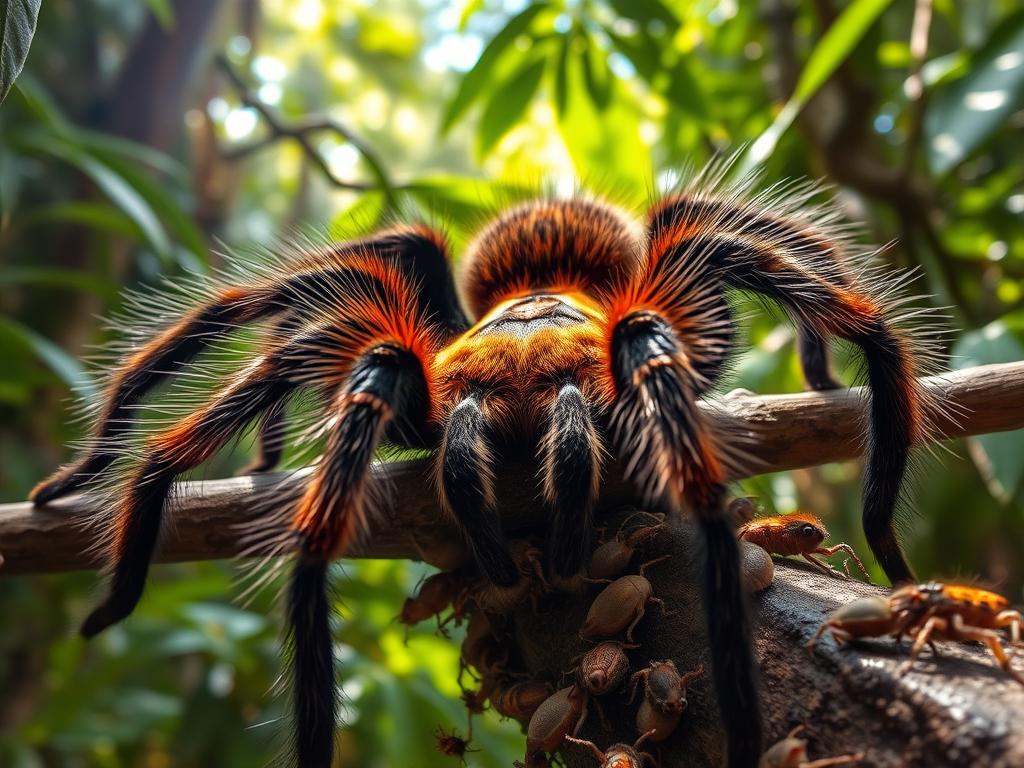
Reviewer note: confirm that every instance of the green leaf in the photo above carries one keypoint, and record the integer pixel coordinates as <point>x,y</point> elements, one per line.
<point>114,186</point>
<point>966,112</point>
<point>685,91</point>
<point>469,8</point>
<point>90,214</point>
<point>998,456</point>
<point>67,368</point>
<point>596,74</point>
<point>362,218</point>
<point>605,147</point>
<point>647,11</point>
<point>17,26</point>
<point>640,50</point>
<point>58,278</point>
<point>474,81</point>
<point>831,51</point>
<point>508,104</point>
<point>162,199</point>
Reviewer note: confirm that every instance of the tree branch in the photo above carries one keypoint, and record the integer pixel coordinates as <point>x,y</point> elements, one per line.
<point>300,132</point>
<point>775,432</point>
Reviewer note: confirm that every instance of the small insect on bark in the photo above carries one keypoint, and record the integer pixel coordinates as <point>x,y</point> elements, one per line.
<point>604,667</point>
<point>664,698</point>
<point>451,744</point>
<point>798,533</point>
<point>929,612</point>
<point>435,594</point>
<point>618,755</point>
<point>791,752</point>
<point>613,557</point>
<point>521,700</point>
<point>561,714</point>
<point>620,606</point>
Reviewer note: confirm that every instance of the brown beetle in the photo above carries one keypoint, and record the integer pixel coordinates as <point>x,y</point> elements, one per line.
<point>620,606</point>
<point>604,667</point>
<point>521,700</point>
<point>561,714</point>
<point>664,686</point>
<point>791,752</point>
<point>798,533</point>
<point>618,755</point>
<point>660,725</point>
<point>435,594</point>
<point>612,558</point>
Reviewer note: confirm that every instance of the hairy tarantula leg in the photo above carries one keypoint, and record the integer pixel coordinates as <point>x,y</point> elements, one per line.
<point>418,253</point>
<point>138,374</point>
<point>467,489</point>
<point>571,469</point>
<point>269,443</point>
<point>139,512</point>
<point>668,449</point>
<point>799,265</point>
<point>384,382</point>
<point>314,688</point>
<point>814,360</point>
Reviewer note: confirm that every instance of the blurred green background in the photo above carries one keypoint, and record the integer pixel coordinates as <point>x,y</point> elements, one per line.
<point>141,134</point>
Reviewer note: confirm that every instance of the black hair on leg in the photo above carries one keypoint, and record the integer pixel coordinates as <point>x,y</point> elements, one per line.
<point>571,455</point>
<point>314,690</point>
<point>467,488</point>
<point>814,359</point>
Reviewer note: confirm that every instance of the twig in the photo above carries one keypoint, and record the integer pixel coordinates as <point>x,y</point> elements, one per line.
<point>778,432</point>
<point>300,131</point>
<point>914,87</point>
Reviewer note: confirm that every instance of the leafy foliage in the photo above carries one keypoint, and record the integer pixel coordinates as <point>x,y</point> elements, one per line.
<point>17,24</point>
<point>449,115</point>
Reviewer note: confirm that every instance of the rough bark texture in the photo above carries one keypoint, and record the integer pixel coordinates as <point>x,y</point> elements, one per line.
<point>958,710</point>
<point>776,431</point>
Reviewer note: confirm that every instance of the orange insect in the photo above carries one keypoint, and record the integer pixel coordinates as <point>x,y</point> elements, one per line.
<point>791,752</point>
<point>798,533</point>
<point>928,612</point>
<point>618,755</point>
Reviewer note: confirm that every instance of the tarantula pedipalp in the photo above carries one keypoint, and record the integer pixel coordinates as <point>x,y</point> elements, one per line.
<point>591,332</point>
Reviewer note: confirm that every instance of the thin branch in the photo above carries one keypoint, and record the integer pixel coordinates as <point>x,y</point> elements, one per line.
<point>300,132</point>
<point>777,432</point>
<point>914,86</point>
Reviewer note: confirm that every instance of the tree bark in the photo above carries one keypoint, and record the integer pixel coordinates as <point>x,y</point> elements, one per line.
<point>776,432</point>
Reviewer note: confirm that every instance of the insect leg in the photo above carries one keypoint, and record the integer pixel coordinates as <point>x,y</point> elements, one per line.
<point>465,467</point>
<point>571,472</point>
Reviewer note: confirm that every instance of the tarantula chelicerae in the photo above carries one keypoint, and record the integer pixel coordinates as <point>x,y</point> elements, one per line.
<point>593,336</point>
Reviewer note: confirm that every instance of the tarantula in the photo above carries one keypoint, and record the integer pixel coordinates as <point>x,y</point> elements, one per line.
<point>593,335</point>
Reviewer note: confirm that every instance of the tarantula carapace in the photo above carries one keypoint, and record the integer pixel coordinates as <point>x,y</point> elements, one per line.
<point>595,336</point>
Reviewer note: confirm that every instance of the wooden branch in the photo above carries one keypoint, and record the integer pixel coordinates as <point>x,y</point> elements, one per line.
<point>300,132</point>
<point>777,432</point>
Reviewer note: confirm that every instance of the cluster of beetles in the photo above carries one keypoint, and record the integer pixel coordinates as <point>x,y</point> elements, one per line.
<point>552,712</point>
